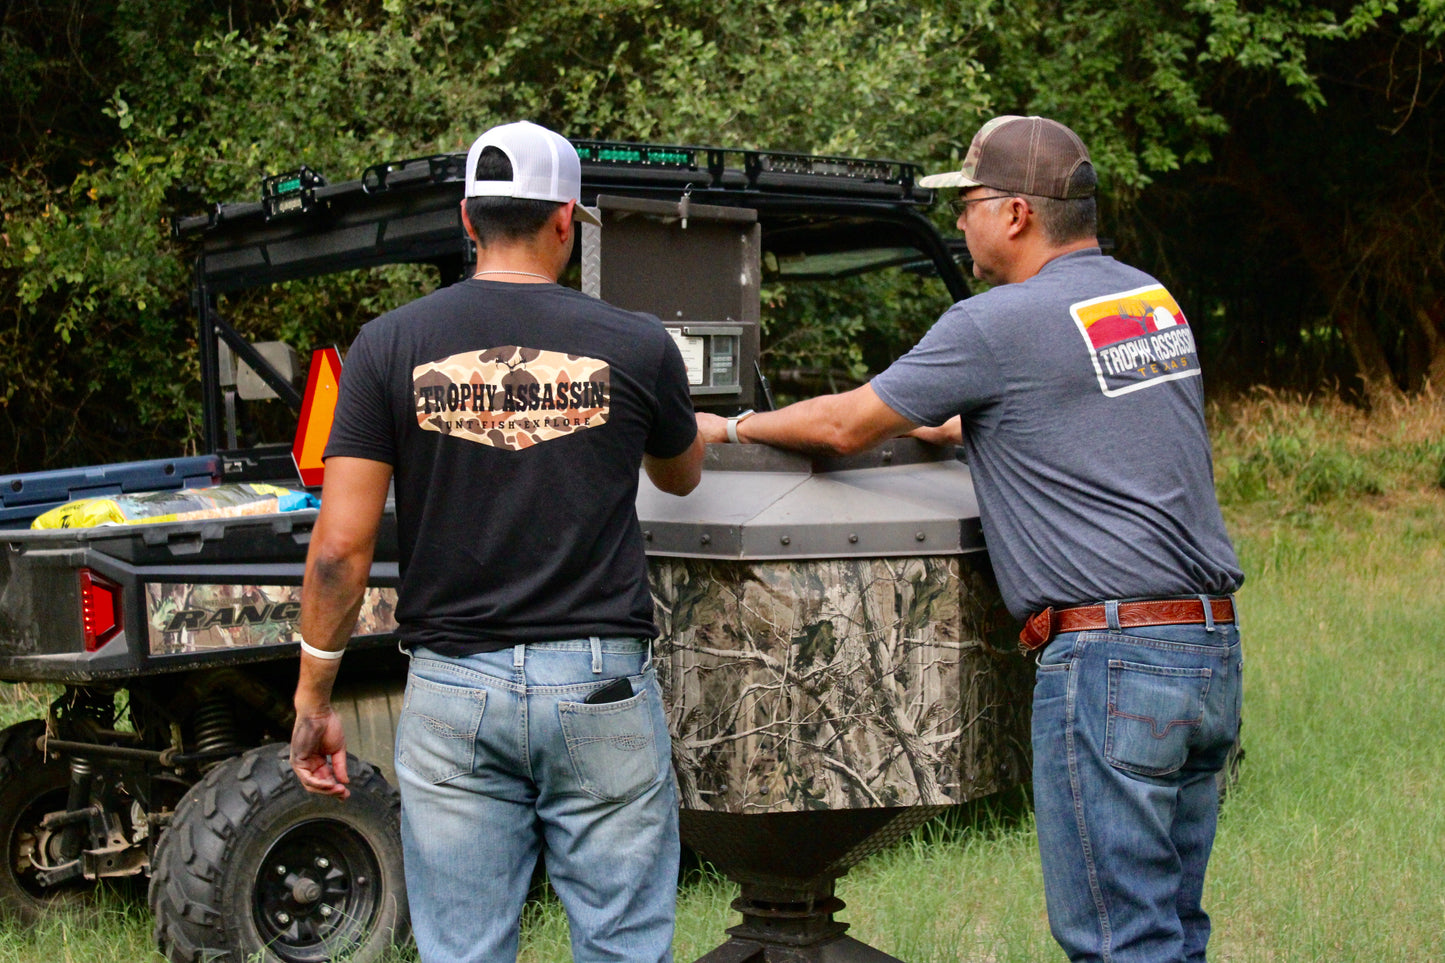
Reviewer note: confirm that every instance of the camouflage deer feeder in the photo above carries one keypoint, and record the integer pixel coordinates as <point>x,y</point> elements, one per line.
<point>829,682</point>
<point>823,623</point>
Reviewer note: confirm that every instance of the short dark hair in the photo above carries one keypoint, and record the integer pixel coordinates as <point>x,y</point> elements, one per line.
<point>1069,220</point>
<point>504,218</point>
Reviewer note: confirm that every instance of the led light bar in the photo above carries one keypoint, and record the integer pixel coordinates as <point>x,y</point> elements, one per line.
<point>293,192</point>
<point>854,169</point>
<point>642,155</point>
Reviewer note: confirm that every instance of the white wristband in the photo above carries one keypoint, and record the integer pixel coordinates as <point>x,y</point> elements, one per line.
<point>327,654</point>
<point>733,426</point>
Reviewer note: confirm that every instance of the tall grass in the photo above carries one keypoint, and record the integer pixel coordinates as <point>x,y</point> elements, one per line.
<point>24,700</point>
<point>1331,848</point>
<point>1284,455</point>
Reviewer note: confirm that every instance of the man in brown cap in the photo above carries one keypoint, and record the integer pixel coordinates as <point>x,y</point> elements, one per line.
<point>1074,386</point>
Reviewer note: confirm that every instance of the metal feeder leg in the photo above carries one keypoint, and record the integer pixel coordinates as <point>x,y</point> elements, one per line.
<point>790,921</point>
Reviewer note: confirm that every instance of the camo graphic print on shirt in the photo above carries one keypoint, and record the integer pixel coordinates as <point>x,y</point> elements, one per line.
<point>512,398</point>
<point>501,538</point>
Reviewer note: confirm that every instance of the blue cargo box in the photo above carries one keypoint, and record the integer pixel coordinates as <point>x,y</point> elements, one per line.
<point>24,497</point>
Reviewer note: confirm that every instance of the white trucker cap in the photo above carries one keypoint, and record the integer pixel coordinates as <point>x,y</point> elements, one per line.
<point>544,167</point>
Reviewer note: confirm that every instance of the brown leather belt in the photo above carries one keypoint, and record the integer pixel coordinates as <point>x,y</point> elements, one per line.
<point>1041,627</point>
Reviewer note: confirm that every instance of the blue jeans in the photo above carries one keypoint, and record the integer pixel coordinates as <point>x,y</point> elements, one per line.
<point>1129,729</point>
<point>499,757</point>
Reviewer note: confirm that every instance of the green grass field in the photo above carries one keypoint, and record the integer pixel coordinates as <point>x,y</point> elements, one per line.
<point>1331,847</point>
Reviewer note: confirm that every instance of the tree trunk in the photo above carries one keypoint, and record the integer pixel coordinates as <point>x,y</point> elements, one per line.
<point>1373,369</point>
<point>1432,325</point>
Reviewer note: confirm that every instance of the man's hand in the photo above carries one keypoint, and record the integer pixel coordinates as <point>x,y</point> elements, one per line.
<point>713,428</point>
<point>948,433</point>
<point>318,752</point>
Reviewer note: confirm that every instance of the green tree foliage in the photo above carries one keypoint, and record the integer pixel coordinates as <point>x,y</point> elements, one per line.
<point>120,113</point>
<point>211,102</point>
<point>1314,235</point>
<point>1134,78</point>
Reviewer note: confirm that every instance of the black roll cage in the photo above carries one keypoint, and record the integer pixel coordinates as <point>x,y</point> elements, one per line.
<point>407,212</point>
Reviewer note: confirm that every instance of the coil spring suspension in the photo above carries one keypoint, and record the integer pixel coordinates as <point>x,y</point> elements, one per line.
<point>72,836</point>
<point>216,726</point>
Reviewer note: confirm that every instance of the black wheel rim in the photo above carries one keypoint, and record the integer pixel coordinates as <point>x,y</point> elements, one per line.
<point>31,847</point>
<point>317,891</point>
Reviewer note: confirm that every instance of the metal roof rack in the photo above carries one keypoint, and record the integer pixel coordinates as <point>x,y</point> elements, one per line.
<point>607,166</point>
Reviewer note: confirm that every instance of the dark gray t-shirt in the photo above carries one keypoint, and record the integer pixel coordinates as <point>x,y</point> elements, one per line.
<point>1083,423</point>
<point>515,417</point>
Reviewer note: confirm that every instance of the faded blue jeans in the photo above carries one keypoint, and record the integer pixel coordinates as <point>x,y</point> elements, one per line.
<point>498,758</point>
<point>1130,728</point>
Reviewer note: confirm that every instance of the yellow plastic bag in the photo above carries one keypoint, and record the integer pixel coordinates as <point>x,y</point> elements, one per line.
<point>218,501</point>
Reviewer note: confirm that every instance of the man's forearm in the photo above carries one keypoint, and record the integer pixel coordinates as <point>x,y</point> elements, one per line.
<point>331,598</point>
<point>839,424</point>
<point>338,566</point>
<point>813,426</point>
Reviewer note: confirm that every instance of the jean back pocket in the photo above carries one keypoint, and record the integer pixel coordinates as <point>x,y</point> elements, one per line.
<point>1154,712</point>
<point>612,746</point>
<point>437,734</point>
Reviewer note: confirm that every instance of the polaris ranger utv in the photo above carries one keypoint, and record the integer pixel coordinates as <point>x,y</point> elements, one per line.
<point>174,644</point>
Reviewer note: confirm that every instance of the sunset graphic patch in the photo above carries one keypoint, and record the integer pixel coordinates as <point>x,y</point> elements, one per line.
<point>1137,339</point>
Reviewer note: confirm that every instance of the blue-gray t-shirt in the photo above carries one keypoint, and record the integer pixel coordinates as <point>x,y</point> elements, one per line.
<point>1083,425</point>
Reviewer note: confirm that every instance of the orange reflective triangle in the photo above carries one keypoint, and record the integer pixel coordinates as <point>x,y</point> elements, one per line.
<point>318,408</point>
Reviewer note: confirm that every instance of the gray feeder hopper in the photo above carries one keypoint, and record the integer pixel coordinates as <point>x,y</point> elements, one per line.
<point>823,650</point>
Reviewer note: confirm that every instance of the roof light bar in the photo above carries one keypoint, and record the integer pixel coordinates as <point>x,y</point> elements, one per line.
<point>643,155</point>
<point>888,172</point>
<point>294,193</point>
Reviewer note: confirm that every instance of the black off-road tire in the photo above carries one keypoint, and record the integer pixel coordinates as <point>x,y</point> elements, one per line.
<point>255,868</point>
<point>30,787</point>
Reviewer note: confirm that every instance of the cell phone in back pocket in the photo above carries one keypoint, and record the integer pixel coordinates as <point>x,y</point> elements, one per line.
<point>617,690</point>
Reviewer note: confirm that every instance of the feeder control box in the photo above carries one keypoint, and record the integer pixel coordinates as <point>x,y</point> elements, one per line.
<point>695,266</point>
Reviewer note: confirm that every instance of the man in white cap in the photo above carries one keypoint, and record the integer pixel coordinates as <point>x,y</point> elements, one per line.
<point>513,414</point>
<point>1074,386</point>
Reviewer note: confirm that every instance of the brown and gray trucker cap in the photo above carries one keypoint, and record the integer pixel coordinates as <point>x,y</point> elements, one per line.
<point>1028,155</point>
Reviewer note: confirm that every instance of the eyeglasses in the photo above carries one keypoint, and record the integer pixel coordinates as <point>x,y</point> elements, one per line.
<point>960,204</point>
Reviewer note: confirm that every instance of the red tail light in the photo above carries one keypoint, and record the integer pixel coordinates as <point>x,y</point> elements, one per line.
<point>99,609</point>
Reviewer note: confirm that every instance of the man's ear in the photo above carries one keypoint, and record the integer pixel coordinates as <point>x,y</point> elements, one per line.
<point>467,224</point>
<point>562,221</point>
<point>1019,215</point>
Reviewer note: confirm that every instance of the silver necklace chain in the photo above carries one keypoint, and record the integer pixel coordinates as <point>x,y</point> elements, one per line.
<point>527,274</point>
